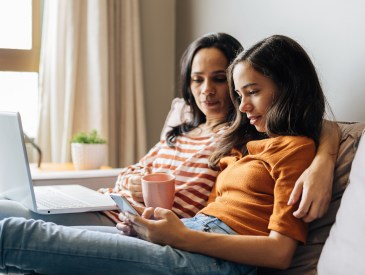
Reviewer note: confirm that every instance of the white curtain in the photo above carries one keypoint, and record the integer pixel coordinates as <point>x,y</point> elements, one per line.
<point>91,77</point>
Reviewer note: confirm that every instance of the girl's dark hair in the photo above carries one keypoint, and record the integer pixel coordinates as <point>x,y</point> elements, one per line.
<point>230,47</point>
<point>299,103</point>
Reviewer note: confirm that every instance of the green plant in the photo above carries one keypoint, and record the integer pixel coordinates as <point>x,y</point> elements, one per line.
<point>88,138</point>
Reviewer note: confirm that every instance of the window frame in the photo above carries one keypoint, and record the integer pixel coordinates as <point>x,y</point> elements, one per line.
<point>17,60</point>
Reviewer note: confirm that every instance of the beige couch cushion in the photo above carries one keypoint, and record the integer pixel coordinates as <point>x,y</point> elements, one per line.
<point>306,257</point>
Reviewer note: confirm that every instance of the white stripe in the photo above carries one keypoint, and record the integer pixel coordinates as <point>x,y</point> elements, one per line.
<point>198,170</point>
<point>192,159</point>
<point>194,180</point>
<point>198,160</point>
<point>181,189</point>
<point>185,205</point>
<point>200,173</point>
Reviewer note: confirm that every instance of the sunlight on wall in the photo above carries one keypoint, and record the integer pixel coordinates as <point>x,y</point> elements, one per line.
<point>19,92</point>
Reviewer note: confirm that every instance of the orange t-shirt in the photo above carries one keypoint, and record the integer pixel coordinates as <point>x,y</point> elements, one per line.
<point>253,190</point>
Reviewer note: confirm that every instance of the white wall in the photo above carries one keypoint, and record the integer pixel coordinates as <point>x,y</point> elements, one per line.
<point>332,32</point>
<point>158,53</point>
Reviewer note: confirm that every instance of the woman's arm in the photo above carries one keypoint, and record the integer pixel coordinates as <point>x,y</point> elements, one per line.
<point>314,186</point>
<point>275,250</point>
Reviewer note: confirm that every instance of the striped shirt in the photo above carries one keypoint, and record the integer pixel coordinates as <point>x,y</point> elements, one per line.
<point>188,162</point>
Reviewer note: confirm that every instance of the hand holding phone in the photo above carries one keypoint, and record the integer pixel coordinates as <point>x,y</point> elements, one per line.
<point>123,204</point>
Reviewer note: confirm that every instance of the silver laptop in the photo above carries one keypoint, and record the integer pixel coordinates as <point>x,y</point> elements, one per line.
<point>16,181</point>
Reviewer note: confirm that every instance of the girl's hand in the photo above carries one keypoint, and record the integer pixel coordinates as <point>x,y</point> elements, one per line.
<point>165,229</point>
<point>126,226</point>
<point>135,188</point>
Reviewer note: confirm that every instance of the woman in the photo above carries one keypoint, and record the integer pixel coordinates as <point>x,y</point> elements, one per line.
<point>280,105</point>
<point>185,150</point>
<point>205,89</point>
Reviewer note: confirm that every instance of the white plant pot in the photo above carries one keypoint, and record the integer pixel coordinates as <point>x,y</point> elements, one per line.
<point>88,156</point>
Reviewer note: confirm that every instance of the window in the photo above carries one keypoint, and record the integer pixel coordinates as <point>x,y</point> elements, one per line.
<point>19,59</point>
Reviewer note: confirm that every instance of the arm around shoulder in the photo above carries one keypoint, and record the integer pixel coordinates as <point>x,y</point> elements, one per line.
<point>314,186</point>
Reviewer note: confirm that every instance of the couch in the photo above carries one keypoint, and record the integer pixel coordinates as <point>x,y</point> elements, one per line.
<point>327,239</point>
<point>335,244</point>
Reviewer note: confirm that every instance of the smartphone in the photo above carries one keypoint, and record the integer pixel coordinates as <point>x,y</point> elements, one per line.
<point>123,204</point>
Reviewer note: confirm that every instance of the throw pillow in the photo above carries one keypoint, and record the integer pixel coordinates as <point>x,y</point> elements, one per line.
<point>178,114</point>
<point>344,250</point>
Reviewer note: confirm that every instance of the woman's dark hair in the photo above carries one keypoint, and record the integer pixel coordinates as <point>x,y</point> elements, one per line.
<point>299,103</point>
<point>230,47</point>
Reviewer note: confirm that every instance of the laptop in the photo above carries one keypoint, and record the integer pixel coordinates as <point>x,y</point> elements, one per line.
<point>16,180</point>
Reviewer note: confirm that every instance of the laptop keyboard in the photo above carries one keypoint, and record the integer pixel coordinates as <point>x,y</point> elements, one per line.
<point>53,199</point>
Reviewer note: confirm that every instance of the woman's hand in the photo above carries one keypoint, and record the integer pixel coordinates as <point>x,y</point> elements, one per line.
<point>135,188</point>
<point>314,186</point>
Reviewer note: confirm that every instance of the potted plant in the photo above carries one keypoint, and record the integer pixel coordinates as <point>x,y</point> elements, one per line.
<point>88,150</point>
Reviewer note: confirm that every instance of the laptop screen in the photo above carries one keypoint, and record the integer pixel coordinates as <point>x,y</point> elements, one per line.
<point>15,177</point>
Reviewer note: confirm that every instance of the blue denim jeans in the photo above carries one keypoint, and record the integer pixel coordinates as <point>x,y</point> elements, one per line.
<point>41,247</point>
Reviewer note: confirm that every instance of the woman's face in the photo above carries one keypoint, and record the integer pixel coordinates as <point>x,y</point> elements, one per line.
<point>209,83</point>
<point>256,92</point>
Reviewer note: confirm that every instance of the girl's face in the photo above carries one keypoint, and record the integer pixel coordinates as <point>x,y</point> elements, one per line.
<point>256,92</point>
<point>209,83</point>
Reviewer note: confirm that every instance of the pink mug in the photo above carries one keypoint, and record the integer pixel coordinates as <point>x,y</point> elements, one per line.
<point>158,190</point>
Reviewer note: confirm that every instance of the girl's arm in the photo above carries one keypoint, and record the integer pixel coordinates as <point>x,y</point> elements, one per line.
<point>314,186</point>
<point>275,250</point>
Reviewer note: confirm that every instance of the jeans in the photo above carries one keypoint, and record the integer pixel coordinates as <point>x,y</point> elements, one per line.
<point>31,246</point>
